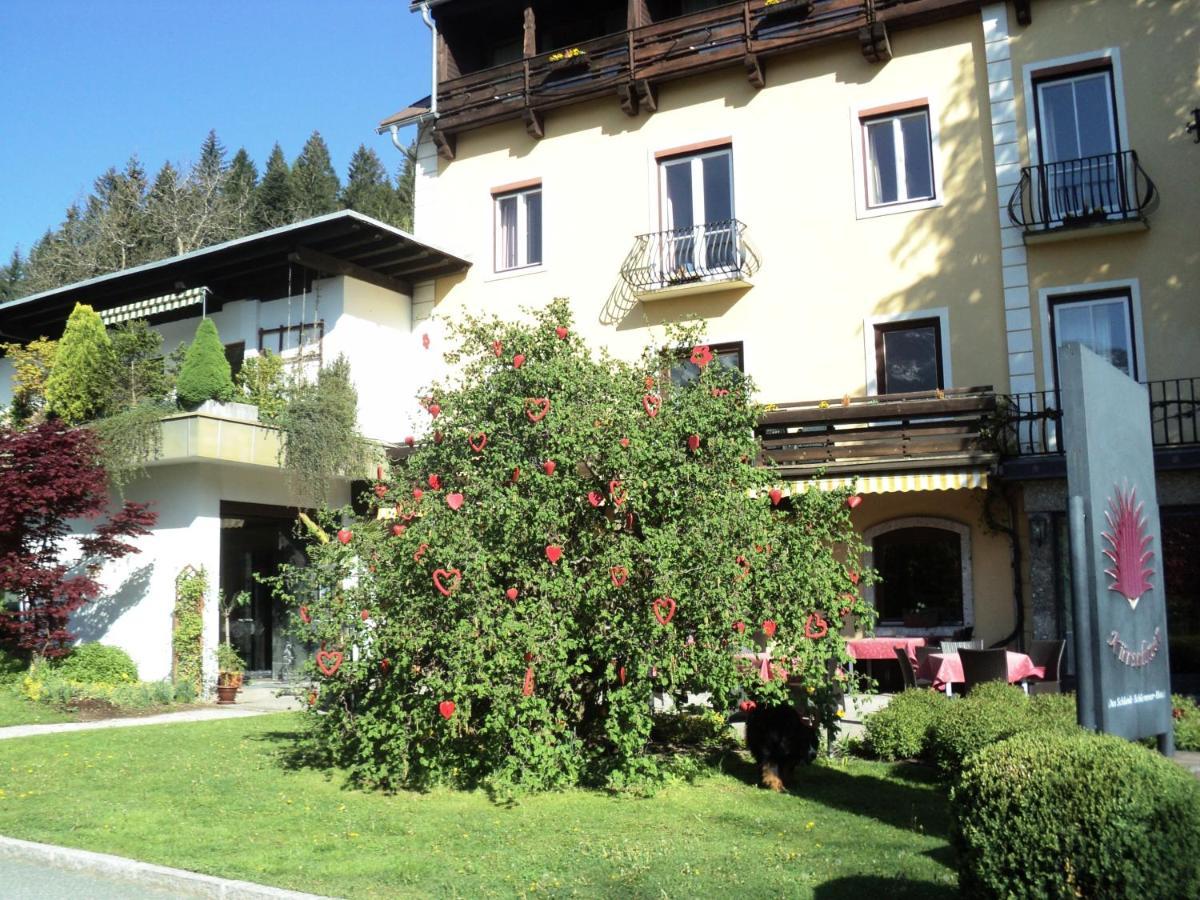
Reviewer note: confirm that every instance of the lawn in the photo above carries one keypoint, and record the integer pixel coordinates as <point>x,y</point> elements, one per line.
<point>215,797</point>
<point>16,710</point>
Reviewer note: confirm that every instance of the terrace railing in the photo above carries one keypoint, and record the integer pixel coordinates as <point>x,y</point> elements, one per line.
<point>1111,187</point>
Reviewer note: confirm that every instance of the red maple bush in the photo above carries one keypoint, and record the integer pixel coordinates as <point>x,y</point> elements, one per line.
<point>50,475</point>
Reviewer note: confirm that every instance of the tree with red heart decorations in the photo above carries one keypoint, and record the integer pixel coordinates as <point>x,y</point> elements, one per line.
<point>620,570</point>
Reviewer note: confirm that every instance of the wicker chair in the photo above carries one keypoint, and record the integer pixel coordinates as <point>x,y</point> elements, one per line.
<point>955,646</point>
<point>982,665</point>
<point>907,670</point>
<point>1048,655</point>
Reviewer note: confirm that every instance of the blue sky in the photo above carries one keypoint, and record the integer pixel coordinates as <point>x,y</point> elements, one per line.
<point>86,83</point>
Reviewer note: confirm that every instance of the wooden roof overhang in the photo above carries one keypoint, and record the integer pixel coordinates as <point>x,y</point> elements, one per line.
<point>267,265</point>
<point>630,64</point>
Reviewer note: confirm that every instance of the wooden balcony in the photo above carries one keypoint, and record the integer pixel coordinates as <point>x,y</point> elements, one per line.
<point>937,430</point>
<point>628,65</point>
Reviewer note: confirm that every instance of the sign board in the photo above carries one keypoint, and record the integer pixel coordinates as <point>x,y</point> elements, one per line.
<point>1120,603</point>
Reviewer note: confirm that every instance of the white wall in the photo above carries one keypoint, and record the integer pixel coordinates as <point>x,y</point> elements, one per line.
<point>6,384</point>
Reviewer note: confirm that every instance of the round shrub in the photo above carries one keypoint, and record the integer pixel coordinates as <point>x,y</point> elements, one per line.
<point>1075,815</point>
<point>98,664</point>
<point>991,712</point>
<point>901,729</point>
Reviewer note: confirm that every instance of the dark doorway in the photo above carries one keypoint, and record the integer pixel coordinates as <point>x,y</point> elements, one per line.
<point>1181,570</point>
<point>255,541</point>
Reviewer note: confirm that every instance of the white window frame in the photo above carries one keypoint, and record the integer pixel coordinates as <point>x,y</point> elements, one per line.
<point>941,313</point>
<point>522,198</point>
<point>1110,56</point>
<point>863,113</point>
<point>968,584</point>
<point>1080,293</point>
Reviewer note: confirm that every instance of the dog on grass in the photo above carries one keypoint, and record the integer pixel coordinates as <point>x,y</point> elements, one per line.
<point>779,739</point>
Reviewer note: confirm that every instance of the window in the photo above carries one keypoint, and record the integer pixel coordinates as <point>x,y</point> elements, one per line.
<point>908,356</point>
<point>925,573</point>
<point>1077,143</point>
<point>728,356</point>
<point>696,208</point>
<point>235,354</point>
<point>518,226</point>
<point>898,157</point>
<point>1102,322</point>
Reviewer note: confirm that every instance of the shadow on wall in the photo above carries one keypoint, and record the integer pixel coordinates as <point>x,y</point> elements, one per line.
<point>92,622</point>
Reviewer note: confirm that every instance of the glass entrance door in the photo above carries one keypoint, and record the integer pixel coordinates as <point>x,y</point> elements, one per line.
<point>697,211</point>
<point>1077,134</point>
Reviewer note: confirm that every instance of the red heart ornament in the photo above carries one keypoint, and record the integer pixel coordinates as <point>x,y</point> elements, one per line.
<point>418,494</point>
<point>701,355</point>
<point>434,410</point>
<point>651,403</point>
<point>420,552</point>
<point>554,554</point>
<point>853,501</point>
<point>454,501</point>
<point>446,708</point>
<point>329,661</point>
<point>398,530</point>
<point>619,575</point>
<point>621,674</point>
<point>384,665</point>
<point>518,360</point>
<point>366,614</point>
<point>527,687</point>
<point>380,491</point>
<point>549,466</point>
<point>345,535</point>
<point>693,442</point>
<point>512,593</point>
<point>437,437</point>
<point>478,442</point>
<point>410,440</point>
<point>516,475</point>
<point>776,495</point>
<point>739,626</point>
<point>747,706</point>
<point>595,498</point>
<point>854,578</point>
<point>435,482</point>
<point>425,341</point>
<point>664,610</point>
<point>769,628</point>
<point>624,442</point>
<point>312,698</point>
<point>562,332</point>
<point>745,564</point>
<point>815,627</point>
<point>453,574</point>
<point>617,493</point>
<point>536,408</point>
<point>497,347</point>
<point>305,616</point>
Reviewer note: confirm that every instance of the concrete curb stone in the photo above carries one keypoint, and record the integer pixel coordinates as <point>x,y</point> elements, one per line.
<point>179,881</point>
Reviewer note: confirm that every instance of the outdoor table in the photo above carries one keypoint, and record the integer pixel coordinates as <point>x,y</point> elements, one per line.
<point>946,670</point>
<point>883,648</point>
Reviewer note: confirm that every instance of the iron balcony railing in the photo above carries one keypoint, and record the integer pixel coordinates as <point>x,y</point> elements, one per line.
<point>711,253</point>
<point>1031,423</point>
<point>1111,187</point>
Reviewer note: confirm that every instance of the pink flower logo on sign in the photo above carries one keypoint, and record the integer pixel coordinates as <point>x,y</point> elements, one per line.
<point>1128,547</point>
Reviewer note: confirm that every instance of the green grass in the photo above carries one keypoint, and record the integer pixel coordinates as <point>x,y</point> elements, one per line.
<point>216,797</point>
<point>16,710</point>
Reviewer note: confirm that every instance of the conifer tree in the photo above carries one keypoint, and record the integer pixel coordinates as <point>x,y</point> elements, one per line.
<point>12,277</point>
<point>212,156</point>
<point>205,374</point>
<point>406,184</point>
<point>315,182</point>
<point>368,189</point>
<point>240,182</point>
<point>274,196</point>
<point>81,378</point>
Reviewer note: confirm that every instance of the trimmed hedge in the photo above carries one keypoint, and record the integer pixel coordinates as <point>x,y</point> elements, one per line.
<point>901,729</point>
<point>1187,722</point>
<point>1075,815</point>
<point>97,664</point>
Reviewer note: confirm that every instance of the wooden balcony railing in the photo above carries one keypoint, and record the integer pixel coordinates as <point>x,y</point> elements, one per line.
<point>629,64</point>
<point>892,431</point>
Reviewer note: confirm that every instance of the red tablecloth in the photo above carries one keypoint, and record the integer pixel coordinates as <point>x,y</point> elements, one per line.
<point>884,648</point>
<point>946,668</point>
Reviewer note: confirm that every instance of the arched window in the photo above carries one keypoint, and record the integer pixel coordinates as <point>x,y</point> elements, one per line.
<point>924,566</point>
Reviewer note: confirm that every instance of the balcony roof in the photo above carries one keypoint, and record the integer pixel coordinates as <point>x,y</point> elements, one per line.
<point>263,265</point>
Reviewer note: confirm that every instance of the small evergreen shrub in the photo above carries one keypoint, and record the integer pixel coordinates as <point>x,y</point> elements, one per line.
<point>1187,722</point>
<point>81,376</point>
<point>97,664</point>
<point>993,711</point>
<point>1075,815</point>
<point>901,729</point>
<point>205,374</point>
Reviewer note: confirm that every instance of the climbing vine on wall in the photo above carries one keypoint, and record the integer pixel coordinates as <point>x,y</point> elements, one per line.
<point>187,638</point>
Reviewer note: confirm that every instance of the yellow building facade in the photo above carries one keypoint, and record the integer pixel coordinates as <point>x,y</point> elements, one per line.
<point>888,214</point>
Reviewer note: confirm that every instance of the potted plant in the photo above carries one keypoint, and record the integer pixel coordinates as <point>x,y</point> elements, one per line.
<point>228,605</point>
<point>802,7</point>
<point>230,670</point>
<point>567,59</point>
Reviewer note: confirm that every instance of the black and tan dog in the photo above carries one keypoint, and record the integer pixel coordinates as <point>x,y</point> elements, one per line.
<point>779,739</point>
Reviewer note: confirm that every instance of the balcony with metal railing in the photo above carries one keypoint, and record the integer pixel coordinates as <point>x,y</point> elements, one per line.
<point>708,257</point>
<point>1061,199</point>
<point>1031,438</point>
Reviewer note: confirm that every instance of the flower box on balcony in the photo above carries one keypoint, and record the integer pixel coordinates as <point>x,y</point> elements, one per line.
<point>799,7</point>
<point>575,58</point>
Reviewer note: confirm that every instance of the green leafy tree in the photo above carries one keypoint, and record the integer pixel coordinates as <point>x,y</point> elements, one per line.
<point>205,373</point>
<point>261,381</point>
<point>368,189</point>
<point>80,381</point>
<point>573,536</point>
<point>314,182</point>
<point>274,198</point>
<point>139,371</point>
<point>31,364</point>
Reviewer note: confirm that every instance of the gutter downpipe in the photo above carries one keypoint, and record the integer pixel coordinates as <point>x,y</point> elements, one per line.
<point>432,115</point>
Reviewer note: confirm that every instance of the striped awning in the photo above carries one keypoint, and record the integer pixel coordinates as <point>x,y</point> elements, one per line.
<point>896,483</point>
<point>153,306</point>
